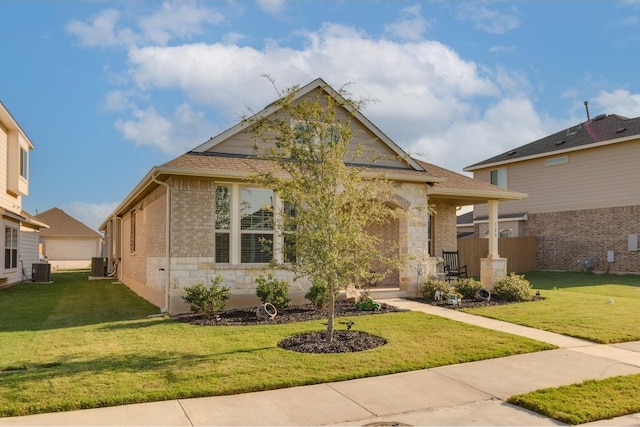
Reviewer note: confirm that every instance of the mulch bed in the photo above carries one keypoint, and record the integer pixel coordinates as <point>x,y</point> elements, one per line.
<point>344,340</point>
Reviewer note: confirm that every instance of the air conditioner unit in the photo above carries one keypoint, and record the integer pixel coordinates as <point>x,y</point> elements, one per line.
<point>41,273</point>
<point>99,267</point>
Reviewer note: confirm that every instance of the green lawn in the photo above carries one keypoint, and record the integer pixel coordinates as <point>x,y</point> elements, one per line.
<point>83,344</point>
<point>599,308</point>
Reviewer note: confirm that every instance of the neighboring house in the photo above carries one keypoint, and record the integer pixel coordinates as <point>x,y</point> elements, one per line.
<point>198,216</point>
<point>68,243</point>
<point>464,223</point>
<point>584,195</point>
<point>20,231</point>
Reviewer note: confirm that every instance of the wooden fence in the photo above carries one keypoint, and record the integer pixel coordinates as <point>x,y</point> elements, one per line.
<point>519,251</point>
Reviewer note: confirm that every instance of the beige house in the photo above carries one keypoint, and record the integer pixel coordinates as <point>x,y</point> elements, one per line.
<point>68,243</point>
<point>19,231</point>
<point>165,235</point>
<point>584,195</point>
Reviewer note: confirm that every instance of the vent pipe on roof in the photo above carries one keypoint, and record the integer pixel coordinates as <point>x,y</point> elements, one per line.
<point>586,106</point>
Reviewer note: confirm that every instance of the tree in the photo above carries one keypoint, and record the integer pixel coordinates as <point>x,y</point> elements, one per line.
<point>328,201</point>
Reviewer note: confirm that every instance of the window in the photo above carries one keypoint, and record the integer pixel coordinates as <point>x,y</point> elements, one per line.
<point>309,134</point>
<point>10,247</point>
<point>507,232</point>
<point>132,240</point>
<point>24,163</point>
<point>256,225</point>
<point>223,223</point>
<point>499,177</point>
<point>556,161</point>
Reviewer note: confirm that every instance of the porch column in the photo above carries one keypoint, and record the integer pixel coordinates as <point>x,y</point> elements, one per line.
<point>492,267</point>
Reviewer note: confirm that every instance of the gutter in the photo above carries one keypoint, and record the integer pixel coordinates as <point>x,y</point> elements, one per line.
<point>167,244</point>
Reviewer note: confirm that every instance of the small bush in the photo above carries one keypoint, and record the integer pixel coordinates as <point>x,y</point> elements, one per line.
<point>512,288</point>
<point>318,294</point>
<point>431,286</point>
<point>208,300</point>
<point>467,287</point>
<point>273,291</point>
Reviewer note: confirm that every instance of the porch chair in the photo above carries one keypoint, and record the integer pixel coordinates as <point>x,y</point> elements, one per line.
<point>452,268</point>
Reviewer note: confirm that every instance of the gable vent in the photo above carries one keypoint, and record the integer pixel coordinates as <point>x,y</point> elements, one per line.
<point>620,130</point>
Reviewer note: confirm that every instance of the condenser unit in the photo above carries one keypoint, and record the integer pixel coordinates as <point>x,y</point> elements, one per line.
<point>41,272</point>
<point>98,267</point>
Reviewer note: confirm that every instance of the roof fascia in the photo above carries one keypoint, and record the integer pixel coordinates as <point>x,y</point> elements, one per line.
<point>12,124</point>
<point>317,83</point>
<point>476,194</point>
<point>553,153</point>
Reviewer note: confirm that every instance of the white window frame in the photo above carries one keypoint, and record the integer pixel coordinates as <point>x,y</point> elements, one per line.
<point>8,245</point>
<point>500,177</point>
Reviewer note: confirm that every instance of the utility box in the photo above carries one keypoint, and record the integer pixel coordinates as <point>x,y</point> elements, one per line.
<point>41,272</point>
<point>98,267</point>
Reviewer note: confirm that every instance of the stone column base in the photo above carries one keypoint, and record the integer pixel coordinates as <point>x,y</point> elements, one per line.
<point>492,269</point>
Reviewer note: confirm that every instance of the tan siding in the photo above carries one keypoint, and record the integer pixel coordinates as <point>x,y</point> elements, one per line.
<point>376,152</point>
<point>602,177</point>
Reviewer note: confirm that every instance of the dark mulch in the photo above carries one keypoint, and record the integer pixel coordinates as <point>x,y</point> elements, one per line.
<point>344,340</point>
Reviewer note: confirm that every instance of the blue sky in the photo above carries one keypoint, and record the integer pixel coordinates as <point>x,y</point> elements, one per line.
<point>107,89</point>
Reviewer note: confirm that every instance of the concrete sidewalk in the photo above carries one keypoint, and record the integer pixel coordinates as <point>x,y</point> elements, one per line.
<point>465,394</point>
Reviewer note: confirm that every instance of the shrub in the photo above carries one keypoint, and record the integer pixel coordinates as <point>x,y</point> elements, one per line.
<point>273,291</point>
<point>512,288</point>
<point>318,294</point>
<point>208,300</point>
<point>431,286</point>
<point>467,287</point>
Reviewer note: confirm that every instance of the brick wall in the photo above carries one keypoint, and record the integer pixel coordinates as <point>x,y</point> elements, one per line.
<point>566,239</point>
<point>192,217</point>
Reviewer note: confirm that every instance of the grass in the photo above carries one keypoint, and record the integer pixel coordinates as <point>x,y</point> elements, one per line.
<point>77,344</point>
<point>585,402</point>
<point>598,308</point>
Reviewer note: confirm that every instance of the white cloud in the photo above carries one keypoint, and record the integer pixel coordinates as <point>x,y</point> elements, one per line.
<point>173,135</point>
<point>493,21</point>
<point>410,26</point>
<point>101,31</point>
<point>90,214</point>
<point>180,19</point>
<point>272,7</point>
<point>620,101</point>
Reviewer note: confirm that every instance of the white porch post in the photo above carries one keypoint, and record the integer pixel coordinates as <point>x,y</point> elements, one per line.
<point>493,229</point>
<point>492,267</point>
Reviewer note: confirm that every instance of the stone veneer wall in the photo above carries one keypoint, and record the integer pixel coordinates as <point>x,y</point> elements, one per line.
<point>566,239</point>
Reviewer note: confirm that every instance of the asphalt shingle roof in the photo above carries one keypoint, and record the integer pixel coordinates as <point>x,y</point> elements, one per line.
<point>600,128</point>
<point>62,224</point>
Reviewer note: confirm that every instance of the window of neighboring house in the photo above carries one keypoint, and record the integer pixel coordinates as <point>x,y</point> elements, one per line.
<point>556,161</point>
<point>289,240</point>
<point>507,232</point>
<point>499,177</point>
<point>132,240</point>
<point>256,225</point>
<point>10,247</point>
<point>24,163</point>
<point>223,223</point>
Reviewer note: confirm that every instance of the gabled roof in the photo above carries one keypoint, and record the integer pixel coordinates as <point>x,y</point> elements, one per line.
<point>10,123</point>
<point>463,190</point>
<point>601,130</point>
<point>63,225</point>
<point>301,92</point>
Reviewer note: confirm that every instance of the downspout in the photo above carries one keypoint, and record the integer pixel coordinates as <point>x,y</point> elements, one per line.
<point>167,245</point>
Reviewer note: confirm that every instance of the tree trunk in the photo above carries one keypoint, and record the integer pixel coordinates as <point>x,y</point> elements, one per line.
<point>330,314</point>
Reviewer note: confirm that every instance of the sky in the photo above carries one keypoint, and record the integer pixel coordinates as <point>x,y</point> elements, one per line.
<point>106,90</point>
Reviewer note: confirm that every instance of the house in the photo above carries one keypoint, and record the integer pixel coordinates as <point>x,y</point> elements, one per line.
<point>584,195</point>
<point>20,231</point>
<point>68,243</point>
<point>165,235</point>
